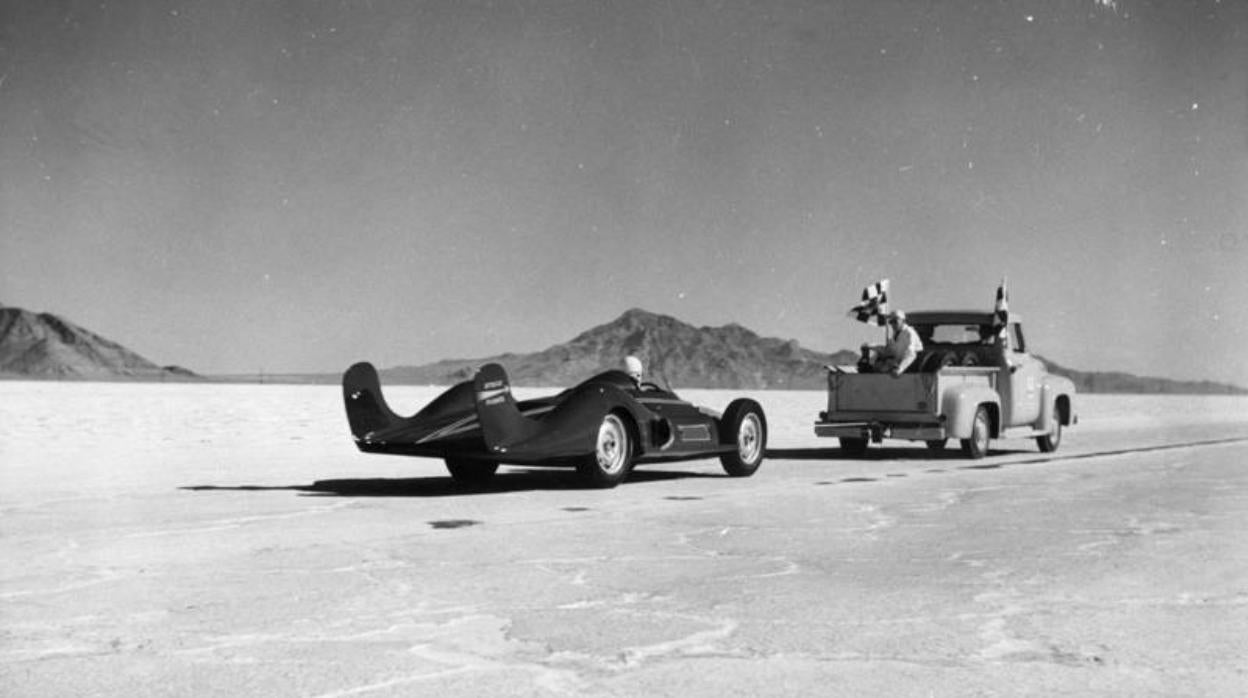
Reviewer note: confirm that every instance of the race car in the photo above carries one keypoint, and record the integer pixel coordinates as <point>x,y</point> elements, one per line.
<point>602,427</point>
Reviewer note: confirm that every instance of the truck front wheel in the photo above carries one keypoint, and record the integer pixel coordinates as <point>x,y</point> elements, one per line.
<point>976,447</point>
<point>1050,441</point>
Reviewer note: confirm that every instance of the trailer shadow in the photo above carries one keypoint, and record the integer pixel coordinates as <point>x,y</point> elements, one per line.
<point>512,480</point>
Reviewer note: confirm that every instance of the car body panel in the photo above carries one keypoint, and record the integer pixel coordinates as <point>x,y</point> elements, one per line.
<point>481,420</point>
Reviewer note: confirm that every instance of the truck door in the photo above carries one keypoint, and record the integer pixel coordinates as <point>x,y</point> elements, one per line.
<point>1024,377</point>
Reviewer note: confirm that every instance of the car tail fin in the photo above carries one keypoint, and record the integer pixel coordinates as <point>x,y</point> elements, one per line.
<point>502,424</point>
<point>366,407</point>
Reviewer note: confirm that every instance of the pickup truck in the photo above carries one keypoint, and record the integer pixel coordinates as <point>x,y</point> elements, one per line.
<point>974,381</point>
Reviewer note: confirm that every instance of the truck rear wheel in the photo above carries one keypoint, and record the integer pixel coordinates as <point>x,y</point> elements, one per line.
<point>854,447</point>
<point>1050,441</point>
<point>976,447</point>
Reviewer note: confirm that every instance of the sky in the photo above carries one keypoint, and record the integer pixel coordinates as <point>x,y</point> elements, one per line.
<point>292,186</point>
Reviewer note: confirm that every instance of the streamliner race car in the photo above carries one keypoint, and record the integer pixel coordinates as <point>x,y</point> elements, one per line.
<point>602,427</point>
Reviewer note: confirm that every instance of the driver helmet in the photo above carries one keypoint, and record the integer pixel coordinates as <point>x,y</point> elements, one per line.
<point>632,366</point>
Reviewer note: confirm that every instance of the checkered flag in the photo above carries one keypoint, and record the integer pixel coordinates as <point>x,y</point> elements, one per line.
<point>1001,311</point>
<point>874,305</point>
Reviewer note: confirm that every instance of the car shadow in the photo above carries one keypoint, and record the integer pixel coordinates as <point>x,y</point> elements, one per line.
<point>444,486</point>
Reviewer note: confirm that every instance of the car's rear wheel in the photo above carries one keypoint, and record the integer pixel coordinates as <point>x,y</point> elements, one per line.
<point>744,421</point>
<point>1050,441</point>
<point>854,447</point>
<point>976,447</point>
<point>471,472</point>
<point>936,445</point>
<point>612,458</point>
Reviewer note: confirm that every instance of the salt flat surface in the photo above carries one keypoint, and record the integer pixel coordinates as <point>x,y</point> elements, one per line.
<point>181,539</point>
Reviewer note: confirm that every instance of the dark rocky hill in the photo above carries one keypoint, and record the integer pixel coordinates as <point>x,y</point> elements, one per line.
<point>675,354</point>
<point>42,345</point>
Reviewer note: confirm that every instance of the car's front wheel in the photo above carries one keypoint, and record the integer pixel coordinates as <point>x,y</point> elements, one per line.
<point>744,421</point>
<point>612,458</point>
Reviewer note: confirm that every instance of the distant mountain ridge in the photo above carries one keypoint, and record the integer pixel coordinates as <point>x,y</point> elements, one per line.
<point>1119,382</point>
<point>674,353</point>
<point>730,357</point>
<point>43,345</point>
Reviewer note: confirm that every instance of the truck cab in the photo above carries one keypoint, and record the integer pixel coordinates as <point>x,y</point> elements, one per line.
<point>973,381</point>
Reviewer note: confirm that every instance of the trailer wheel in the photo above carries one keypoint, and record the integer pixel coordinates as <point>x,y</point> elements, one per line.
<point>976,447</point>
<point>744,422</point>
<point>854,447</point>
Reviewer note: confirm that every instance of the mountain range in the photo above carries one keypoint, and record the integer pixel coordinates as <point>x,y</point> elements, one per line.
<point>675,353</point>
<point>42,345</point>
<point>1119,382</point>
<point>684,356</point>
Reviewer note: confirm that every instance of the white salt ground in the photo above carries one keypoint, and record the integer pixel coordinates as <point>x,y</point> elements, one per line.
<point>192,540</point>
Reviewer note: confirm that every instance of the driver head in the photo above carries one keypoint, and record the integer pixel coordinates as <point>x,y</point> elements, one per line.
<point>632,366</point>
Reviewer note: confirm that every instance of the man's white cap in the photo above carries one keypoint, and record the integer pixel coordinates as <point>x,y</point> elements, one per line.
<point>632,365</point>
<point>897,315</point>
